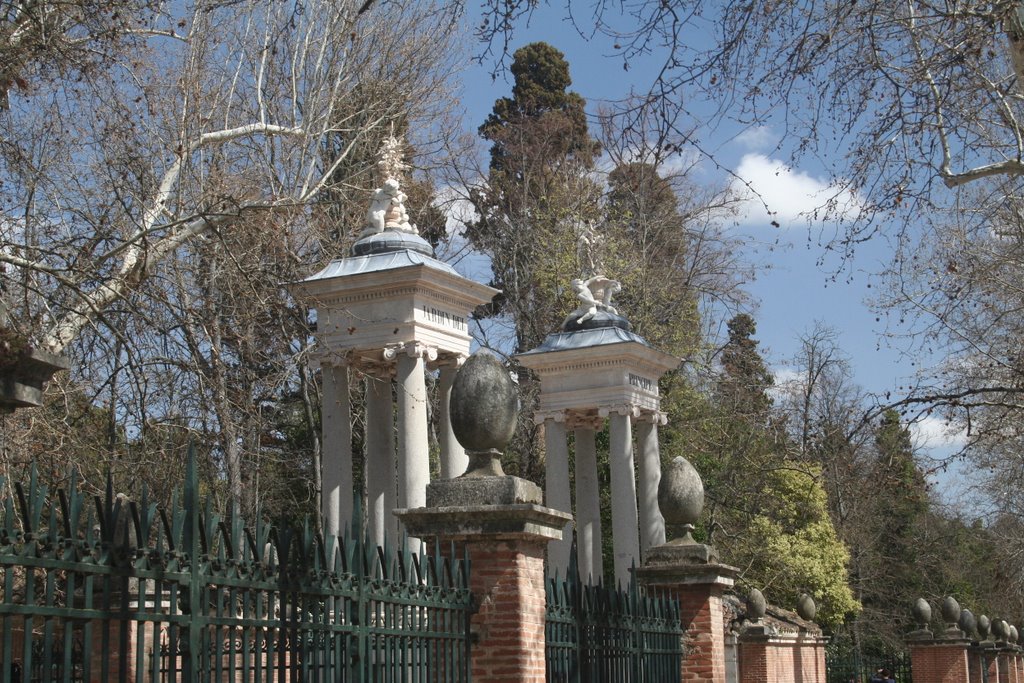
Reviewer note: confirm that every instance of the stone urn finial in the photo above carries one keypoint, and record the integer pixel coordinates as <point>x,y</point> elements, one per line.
<point>484,406</point>
<point>922,613</point>
<point>984,627</point>
<point>967,623</point>
<point>950,611</point>
<point>806,608</point>
<point>951,616</point>
<point>756,605</point>
<point>681,497</point>
<point>1001,630</point>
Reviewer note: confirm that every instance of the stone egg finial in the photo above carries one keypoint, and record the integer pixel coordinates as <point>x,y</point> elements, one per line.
<point>922,612</point>
<point>984,627</point>
<point>806,608</point>
<point>1000,629</point>
<point>756,605</point>
<point>681,496</point>
<point>484,405</point>
<point>967,623</point>
<point>950,611</point>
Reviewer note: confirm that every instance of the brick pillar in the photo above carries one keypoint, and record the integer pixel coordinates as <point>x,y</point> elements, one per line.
<point>809,658</point>
<point>992,659</point>
<point>507,580</point>
<point>500,523</point>
<point>939,660</point>
<point>976,664</point>
<point>1005,673</point>
<point>690,573</point>
<point>757,658</point>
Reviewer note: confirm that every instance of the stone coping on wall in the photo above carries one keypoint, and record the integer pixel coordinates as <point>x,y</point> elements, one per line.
<point>777,622</point>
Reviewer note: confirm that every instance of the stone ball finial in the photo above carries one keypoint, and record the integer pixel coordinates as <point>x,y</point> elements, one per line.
<point>756,605</point>
<point>484,405</point>
<point>967,623</point>
<point>922,612</point>
<point>806,608</point>
<point>950,611</point>
<point>681,495</point>
<point>984,627</point>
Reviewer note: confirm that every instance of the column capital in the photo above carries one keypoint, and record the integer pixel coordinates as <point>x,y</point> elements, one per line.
<point>655,417</point>
<point>542,416</point>
<point>583,419</point>
<point>411,349</point>
<point>323,358</point>
<point>448,359</point>
<point>626,409</point>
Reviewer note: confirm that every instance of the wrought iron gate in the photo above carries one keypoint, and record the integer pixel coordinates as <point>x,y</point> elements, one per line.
<point>124,591</point>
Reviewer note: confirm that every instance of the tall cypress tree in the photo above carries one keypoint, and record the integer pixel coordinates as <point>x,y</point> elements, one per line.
<point>536,191</point>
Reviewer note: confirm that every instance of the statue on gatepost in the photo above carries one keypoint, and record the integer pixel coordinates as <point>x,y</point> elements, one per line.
<point>387,207</point>
<point>593,290</point>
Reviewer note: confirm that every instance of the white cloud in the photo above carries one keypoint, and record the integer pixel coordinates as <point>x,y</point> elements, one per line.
<point>458,210</point>
<point>791,196</point>
<point>788,382</point>
<point>756,138</point>
<point>934,432</point>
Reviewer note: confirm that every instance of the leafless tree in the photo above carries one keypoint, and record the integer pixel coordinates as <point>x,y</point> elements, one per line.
<point>165,166</point>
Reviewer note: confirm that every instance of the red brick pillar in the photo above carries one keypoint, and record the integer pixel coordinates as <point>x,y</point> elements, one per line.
<point>809,658</point>
<point>690,574</point>
<point>507,580</point>
<point>505,534</point>
<point>939,660</point>
<point>758,658</point>
<point>993,665</point>
<point>1005,668</point>
<point>977,664</point>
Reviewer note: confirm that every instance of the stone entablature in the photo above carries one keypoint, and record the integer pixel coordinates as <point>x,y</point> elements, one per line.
<point>368,303</point>
<point>600,377</point>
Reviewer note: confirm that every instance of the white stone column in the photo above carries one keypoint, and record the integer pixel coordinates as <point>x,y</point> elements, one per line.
<point>556,487</point>
<point>625,525</point>
<point>336,449</point>
<point>380,459</point>
<point>453,455</point>
<point>652,524</point>
<point>588,508</point>
<point>413,446</point>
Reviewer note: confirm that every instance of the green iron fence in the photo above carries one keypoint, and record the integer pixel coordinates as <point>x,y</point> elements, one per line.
<point>597,634</point>
<point>843,665</point>
<point>116,590</point>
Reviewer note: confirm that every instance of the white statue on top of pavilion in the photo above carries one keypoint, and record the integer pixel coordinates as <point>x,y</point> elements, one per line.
<point>595,291</point>
<point>387,206</point>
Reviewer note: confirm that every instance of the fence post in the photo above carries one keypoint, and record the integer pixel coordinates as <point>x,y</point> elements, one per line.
<point>504,530</point>
<point>942,658</point>
<point>698,586</point>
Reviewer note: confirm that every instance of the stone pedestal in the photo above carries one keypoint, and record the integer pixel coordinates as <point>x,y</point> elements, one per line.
<point>22,382</point>
<point>504,529</point>
<point>692,574</point>
<point>939,660</point>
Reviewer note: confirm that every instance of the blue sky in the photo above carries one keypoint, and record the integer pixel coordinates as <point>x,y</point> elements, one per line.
<point>795,288</point>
